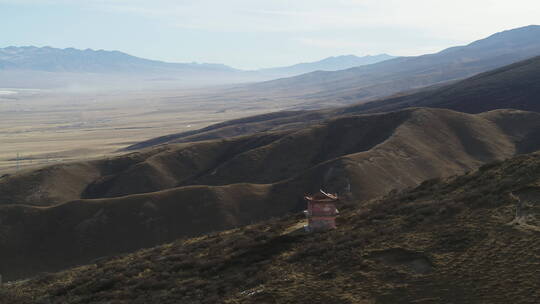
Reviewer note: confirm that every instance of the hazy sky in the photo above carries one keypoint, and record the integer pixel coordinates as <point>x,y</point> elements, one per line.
<point>258,33</point>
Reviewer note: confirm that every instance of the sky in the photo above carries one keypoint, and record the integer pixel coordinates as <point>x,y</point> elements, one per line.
<point>251,34</point>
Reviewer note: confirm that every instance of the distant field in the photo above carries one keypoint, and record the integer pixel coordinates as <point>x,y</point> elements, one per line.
<point>46,126</point>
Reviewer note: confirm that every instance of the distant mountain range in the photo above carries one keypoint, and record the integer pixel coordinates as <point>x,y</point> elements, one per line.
<point>100,61</point>
<point>47,67</point>
<point>320,88</point>
<point>334,80</point>
<point>50,59</point>
<point>23,66</point>
<point>328,64</point>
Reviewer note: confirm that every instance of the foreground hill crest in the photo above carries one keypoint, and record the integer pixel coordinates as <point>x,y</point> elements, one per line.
<point>446,241</point>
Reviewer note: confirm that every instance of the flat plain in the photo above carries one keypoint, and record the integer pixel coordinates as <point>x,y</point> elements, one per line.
<point>47,126</point>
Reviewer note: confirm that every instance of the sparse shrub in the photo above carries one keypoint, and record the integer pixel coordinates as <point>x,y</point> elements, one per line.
<point>490,166</point>
<point>13,296</point>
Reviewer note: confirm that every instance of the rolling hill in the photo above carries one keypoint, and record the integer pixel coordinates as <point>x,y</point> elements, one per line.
<point>68,214</point>
<point>472,238</point>
<point>319,89</point>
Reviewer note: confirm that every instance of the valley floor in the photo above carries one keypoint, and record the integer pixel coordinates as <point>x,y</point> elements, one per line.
<point>44,126</point>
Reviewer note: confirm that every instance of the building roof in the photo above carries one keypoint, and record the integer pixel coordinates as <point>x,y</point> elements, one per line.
<point>322,196</point>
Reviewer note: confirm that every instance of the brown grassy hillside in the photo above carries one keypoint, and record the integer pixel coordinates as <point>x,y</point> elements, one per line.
<point>473,238</point>
<point>83,211</point>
